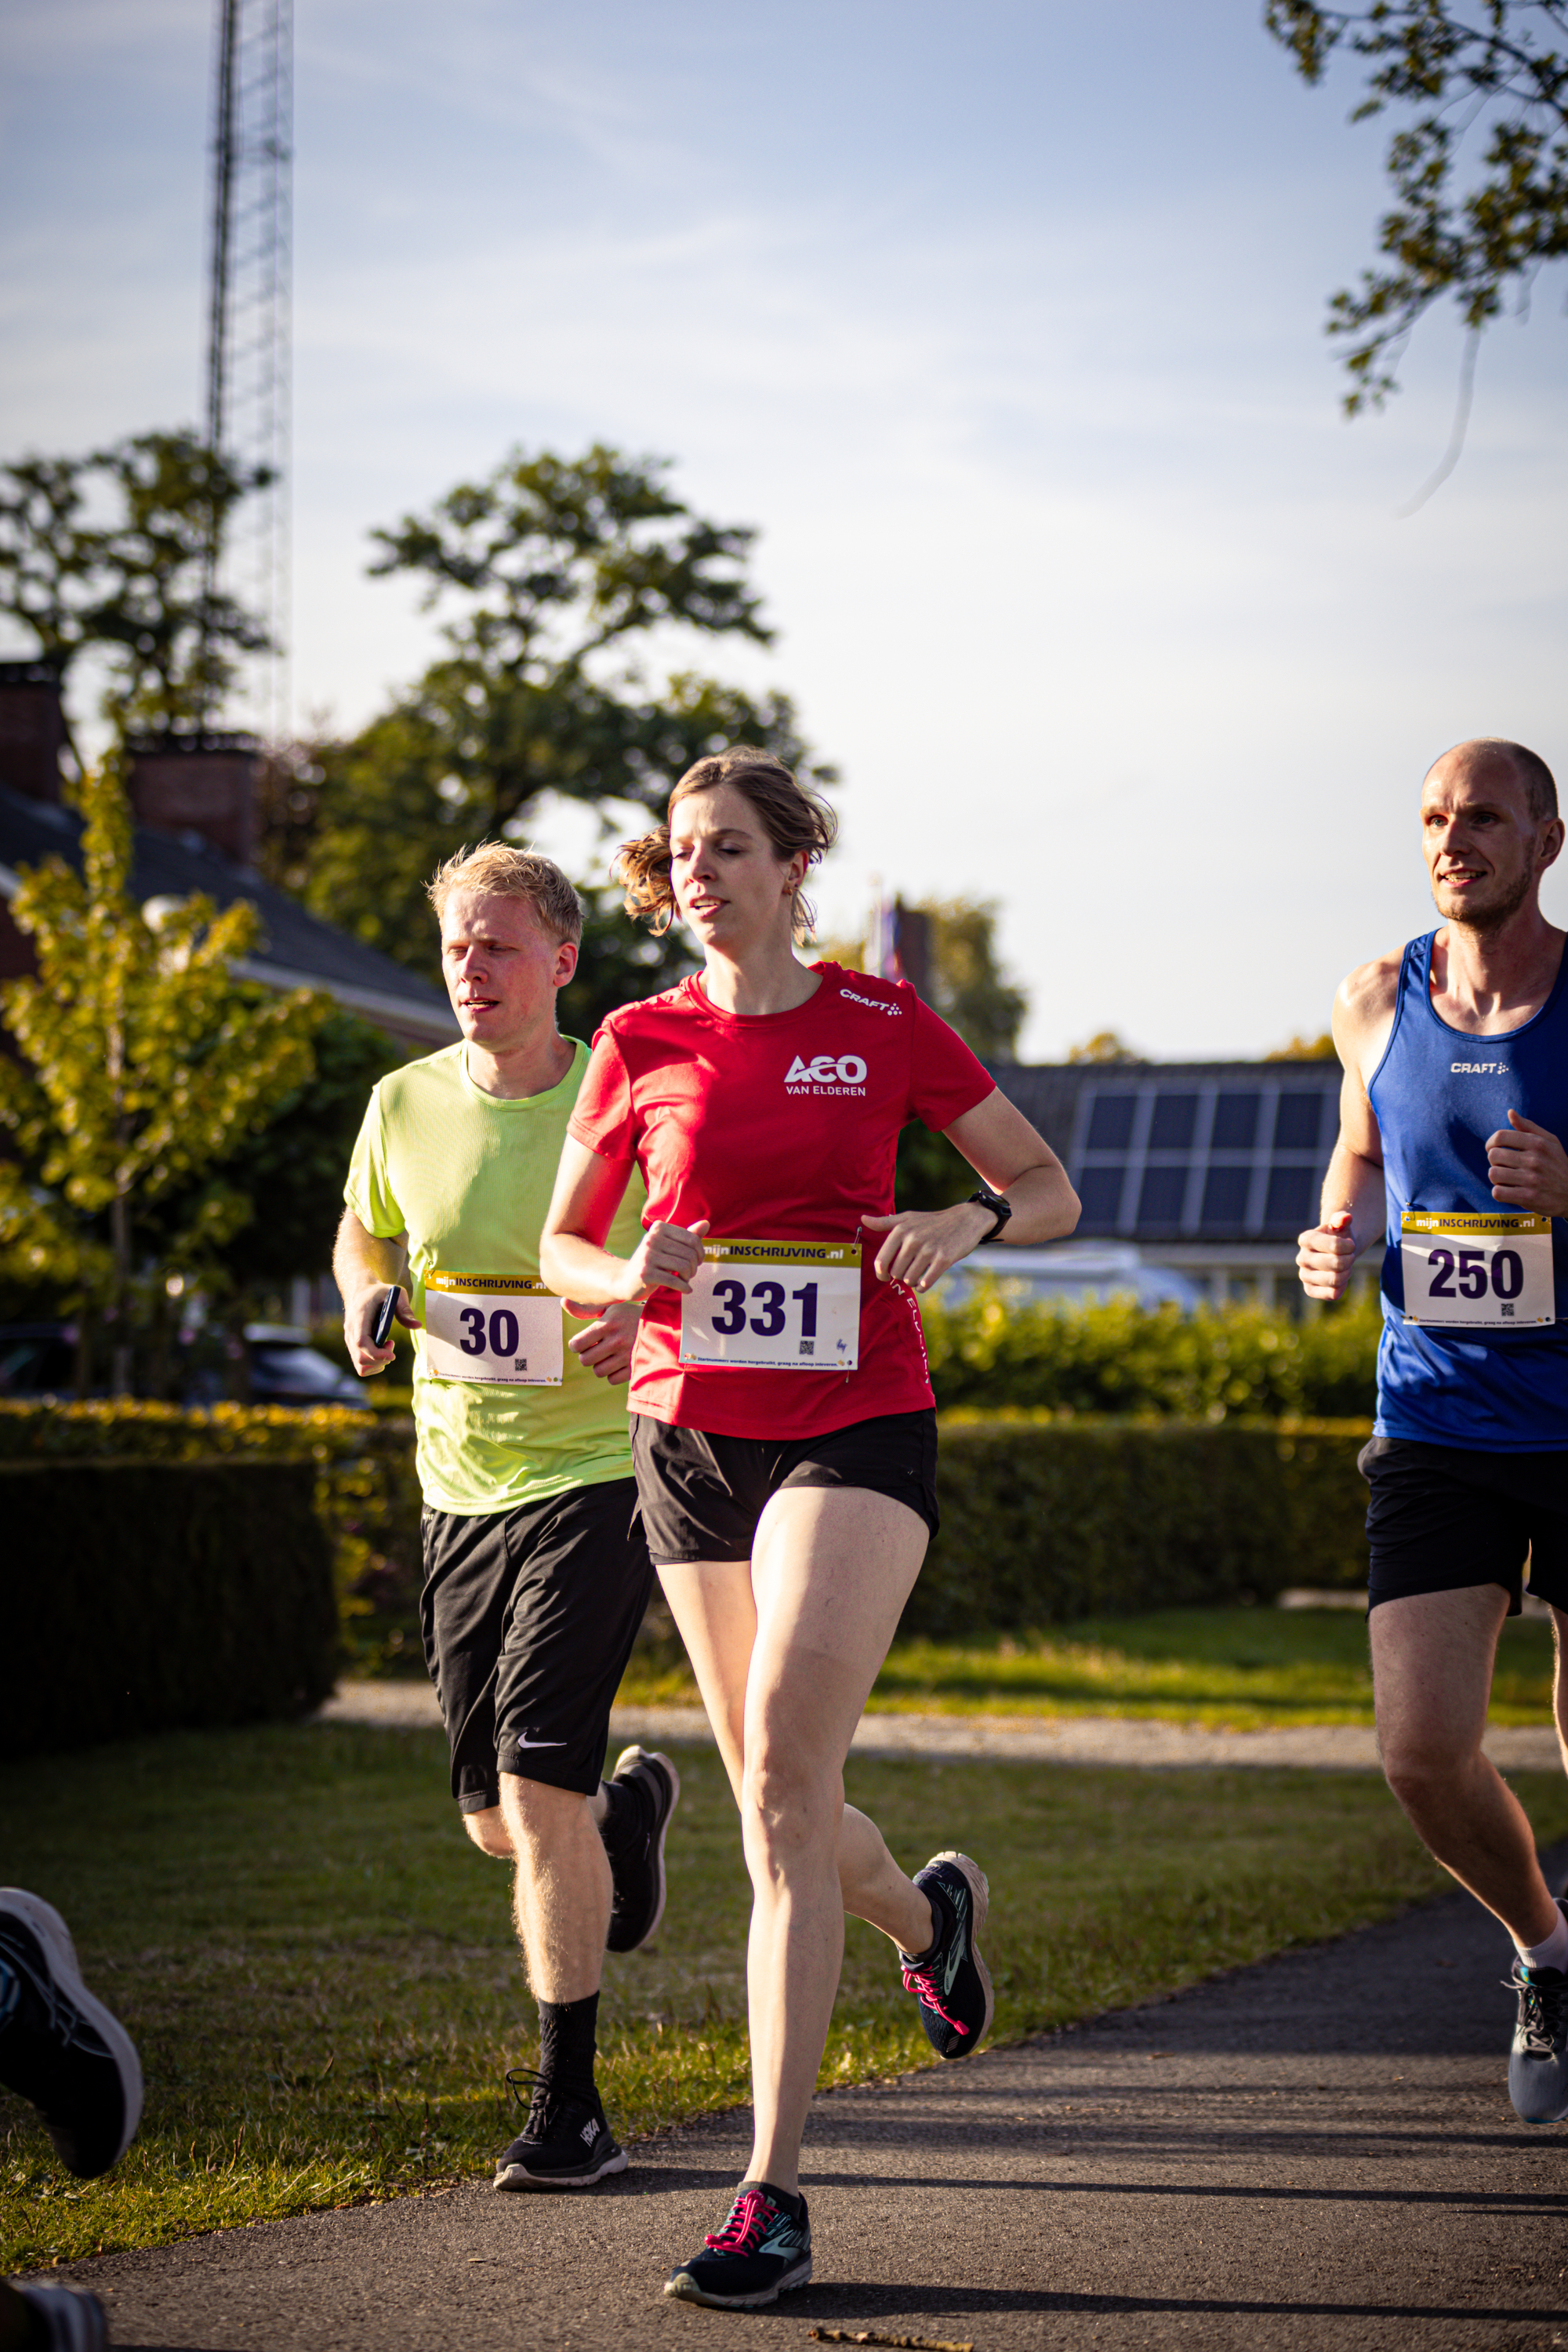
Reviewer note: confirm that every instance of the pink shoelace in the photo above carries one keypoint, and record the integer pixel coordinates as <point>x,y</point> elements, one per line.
<point>922,1983</point>
<point>748,2216</point>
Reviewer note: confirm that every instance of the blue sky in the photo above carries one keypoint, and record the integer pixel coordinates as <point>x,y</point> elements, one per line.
<point>1004,325</point>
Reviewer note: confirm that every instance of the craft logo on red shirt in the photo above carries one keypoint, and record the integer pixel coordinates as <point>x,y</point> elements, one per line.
<point>826,1074</point>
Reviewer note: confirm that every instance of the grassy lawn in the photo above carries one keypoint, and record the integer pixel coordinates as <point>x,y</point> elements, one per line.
<point>318,1969</point>
<point>1246,1669</point>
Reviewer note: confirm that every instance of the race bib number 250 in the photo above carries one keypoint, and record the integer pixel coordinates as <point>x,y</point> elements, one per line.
<point>780,1307</point>
<point>1476,1273</point>
<point>481,1327</point>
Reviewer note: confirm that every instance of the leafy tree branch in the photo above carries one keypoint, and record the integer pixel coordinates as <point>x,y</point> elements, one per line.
<point>1498,71</point>
<point>107,552</point>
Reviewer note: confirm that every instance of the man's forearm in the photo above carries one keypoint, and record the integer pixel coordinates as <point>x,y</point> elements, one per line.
<point>363,1260</point>
<point>1355,1183</point>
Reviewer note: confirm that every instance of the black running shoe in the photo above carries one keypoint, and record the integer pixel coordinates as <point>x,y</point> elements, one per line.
<point>61,2048</point>
<point>762,2250</point>
<point>72,2319</point>
<point>565,2143</point>
<point>1538,2060</point>
<point>952,1982</point>
<point>650,1790</point>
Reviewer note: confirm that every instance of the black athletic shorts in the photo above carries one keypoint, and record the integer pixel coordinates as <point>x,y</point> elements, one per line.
<point>529,1618</point>
<point>701,1496</point>
<point>1442,1516</point>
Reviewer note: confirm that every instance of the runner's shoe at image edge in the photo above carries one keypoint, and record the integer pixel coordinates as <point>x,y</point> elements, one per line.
<point>1538,2060</point>
<point>952,1982</point>
<point>761,2252</point>
<point>72,2319</point>
<point>649,1791</point>
<point>59,2048</point>
<point>566,2143</point>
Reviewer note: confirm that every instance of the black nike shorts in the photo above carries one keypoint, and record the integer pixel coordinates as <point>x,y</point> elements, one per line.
<point>529,1618</point>
<point>1443,1517</point>
<point>702,1496</point>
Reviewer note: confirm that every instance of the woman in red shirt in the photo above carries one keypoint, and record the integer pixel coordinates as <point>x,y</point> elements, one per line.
<point>783,1428</point>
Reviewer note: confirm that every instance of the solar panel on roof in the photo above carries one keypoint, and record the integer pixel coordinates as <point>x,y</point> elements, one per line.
<point>1110,1122</point>
<point>1175,1118</point>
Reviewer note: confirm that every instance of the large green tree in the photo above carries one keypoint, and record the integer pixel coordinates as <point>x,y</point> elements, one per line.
<point>108,554</point>
<point>1494,73</point>
<point>559,580</point>
<point>140,1067</point>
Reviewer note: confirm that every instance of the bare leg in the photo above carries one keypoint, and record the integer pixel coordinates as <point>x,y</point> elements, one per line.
<point>1432,1655</point>
<point>562,1902</point>
<point>830,1572</point>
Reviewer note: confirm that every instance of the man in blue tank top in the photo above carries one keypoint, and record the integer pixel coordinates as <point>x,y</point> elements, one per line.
<point>1451,1158</point>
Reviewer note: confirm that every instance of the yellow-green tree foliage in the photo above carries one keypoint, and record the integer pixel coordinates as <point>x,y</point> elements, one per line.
<point>141,1062</point>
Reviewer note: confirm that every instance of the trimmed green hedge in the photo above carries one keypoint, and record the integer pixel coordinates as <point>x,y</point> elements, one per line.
<point>999,1352</point>
<point>147,1595</point>
<point>1043,1521</point>
<point>366,1493</point>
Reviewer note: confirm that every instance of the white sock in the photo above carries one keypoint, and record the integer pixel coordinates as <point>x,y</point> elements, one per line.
<point>1553,1953</point>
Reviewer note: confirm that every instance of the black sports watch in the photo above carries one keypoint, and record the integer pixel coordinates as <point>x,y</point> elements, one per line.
<point>999,1205</point>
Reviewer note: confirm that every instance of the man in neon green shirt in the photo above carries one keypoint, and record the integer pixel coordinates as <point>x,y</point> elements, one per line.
<point>536,1573</point>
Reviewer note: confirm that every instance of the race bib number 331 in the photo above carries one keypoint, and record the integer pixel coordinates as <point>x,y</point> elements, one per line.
<point>1476,1273</point>
<point>483,1326</point>
<point>776,1306</point>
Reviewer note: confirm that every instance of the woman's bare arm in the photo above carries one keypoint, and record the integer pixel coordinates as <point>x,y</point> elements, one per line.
<point>573,1258</point>
<point>1000,1145</point>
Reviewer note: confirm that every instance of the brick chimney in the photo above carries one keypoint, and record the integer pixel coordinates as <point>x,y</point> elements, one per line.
<point>198,784</point>
<point>31,729</point>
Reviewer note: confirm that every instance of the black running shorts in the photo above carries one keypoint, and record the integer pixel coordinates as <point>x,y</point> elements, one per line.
<point>1442,1516</point>
<point>701,1496</point>
<point>529,1618</point>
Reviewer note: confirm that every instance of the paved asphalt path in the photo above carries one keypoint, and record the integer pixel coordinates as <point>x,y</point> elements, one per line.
<point>1317,2152</point>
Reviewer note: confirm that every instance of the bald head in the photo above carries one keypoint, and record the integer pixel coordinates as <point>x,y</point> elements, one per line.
<point>1529,771</point>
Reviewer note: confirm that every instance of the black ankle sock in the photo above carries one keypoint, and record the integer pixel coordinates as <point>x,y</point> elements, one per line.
<point>567,2030</point>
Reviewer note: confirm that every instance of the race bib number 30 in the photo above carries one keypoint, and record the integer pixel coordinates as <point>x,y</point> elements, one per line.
<point>775,1306</point>
<point>481,1326</point>
<point>1476,1274</point>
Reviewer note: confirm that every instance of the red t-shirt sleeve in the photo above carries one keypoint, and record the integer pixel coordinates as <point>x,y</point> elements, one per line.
<point>945,1078</point>
<point>602,1116</point>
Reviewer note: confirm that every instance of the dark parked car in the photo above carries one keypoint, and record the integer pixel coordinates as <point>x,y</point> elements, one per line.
<point>285,1369</point>
<point>39,1359</point>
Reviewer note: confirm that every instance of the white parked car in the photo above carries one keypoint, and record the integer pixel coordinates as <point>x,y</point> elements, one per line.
<point>1075,1274</point>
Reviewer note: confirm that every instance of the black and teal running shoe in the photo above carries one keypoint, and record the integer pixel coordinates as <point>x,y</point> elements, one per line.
<point>763,2250</point>
<point>952,1982</point>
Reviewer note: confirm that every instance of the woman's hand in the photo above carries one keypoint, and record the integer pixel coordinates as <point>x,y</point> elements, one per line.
<point>921,1244</point>
<point>665,1259</point>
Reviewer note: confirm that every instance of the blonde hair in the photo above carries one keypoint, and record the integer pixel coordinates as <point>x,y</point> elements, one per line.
<point>510,873</point>
<point>795,821</point>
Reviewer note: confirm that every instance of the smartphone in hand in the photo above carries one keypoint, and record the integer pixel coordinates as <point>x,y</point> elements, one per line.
<point>383,1315</point>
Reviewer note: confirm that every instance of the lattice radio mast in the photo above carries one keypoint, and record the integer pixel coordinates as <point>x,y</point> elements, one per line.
<point>248,323</point>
